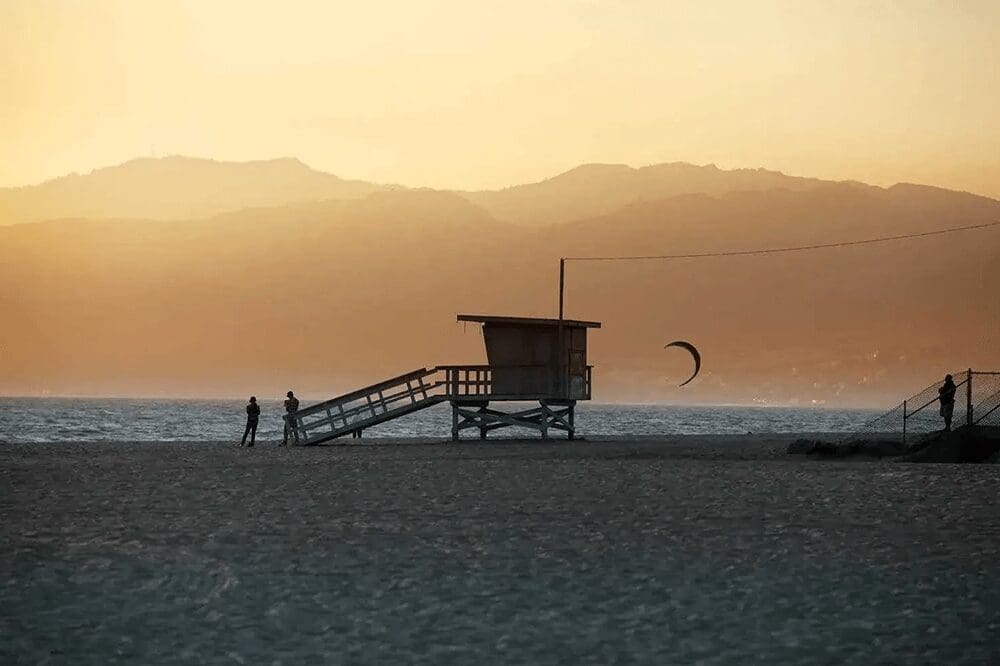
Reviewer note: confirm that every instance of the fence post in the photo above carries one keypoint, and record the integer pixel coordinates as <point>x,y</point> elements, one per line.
<point>968,399</point>
<point>904,423</point>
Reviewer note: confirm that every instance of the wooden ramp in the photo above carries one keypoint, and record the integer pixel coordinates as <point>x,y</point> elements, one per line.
<point>352,412</point>
<point>469,389</point>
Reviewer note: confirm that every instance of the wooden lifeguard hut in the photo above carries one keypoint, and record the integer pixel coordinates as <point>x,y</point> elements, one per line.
<point>528,360</point>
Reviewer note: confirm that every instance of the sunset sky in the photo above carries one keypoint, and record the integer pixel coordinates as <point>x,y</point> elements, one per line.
<point>487,94</point>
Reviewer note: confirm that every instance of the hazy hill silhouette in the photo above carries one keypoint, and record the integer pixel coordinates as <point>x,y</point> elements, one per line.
<point>326,296</point>
<point>175,187</point>
<point>597,189</point>
<point>183,187</point>
<point>833,325</point>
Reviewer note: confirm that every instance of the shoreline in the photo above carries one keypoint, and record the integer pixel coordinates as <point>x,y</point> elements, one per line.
<point>960,446</point>
<point>709,439</point>
<point>719,447</point>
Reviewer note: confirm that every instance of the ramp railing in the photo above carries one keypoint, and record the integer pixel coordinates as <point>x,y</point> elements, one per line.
<point>356,410</point>
<point>512,382</point>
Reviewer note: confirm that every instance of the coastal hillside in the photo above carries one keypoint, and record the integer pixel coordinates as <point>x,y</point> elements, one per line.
<point>330,295</point>
<point>848,325</point>
<point>174,187</point>
<point>183,187</point>
<point>598,189</point>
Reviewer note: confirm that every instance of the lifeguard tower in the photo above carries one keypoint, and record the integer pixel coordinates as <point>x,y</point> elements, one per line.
<point>528,360</point>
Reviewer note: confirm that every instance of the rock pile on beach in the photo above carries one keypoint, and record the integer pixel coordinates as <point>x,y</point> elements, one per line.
<point>875,448</point>
<point>963,445</point>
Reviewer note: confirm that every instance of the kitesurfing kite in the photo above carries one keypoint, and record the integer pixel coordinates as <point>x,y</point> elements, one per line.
<point>694,353</point>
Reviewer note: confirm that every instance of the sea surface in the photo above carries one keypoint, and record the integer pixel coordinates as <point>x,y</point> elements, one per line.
<point>120,420</point>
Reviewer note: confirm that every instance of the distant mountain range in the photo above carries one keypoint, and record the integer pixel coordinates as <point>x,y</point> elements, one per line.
<point>598,189</point>
<point>185,187</point>
<point>286,277</point>
<point>175,188</point>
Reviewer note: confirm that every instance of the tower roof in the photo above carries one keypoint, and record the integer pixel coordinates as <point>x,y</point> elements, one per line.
<point>527,321</point>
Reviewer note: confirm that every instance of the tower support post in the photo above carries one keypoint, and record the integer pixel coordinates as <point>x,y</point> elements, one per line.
<point>479,415</point>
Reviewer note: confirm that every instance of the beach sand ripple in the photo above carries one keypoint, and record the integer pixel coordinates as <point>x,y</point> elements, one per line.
<point>720,550</point>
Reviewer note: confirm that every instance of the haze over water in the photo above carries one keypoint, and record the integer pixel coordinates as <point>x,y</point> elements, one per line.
<point>218,198</point>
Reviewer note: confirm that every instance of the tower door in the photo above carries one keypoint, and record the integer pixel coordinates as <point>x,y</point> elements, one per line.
<point>577,365</point>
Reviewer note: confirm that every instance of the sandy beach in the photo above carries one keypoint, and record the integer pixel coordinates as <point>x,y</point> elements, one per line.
<point>655,550</point>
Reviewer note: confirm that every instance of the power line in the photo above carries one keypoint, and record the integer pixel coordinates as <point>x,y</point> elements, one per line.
<point>778,250</point>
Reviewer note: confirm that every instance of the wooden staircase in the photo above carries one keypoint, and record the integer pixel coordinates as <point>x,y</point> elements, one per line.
<point>352,412</point>
<point>464,386</point>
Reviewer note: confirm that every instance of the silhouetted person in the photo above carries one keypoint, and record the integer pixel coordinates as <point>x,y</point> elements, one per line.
<point>253,416</point>
<point>946,394</point>
<point>291,406</point>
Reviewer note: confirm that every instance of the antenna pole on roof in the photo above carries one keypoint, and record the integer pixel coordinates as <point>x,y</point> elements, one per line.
<point>564,379</point>
<point>562,285</point>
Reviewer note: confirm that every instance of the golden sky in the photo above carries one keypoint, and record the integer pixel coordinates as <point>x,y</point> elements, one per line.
<point>474,94</point>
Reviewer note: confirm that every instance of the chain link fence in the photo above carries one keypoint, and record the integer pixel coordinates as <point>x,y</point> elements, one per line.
<point>977,402</point>
<point>986,398</point>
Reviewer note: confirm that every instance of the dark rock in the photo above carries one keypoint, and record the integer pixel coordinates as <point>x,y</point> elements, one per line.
<point>883,448</point>
<point>802,446</point>
<point>878,448</point>
<point>968,444</point>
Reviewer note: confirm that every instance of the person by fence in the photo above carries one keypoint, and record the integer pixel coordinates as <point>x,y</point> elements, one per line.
<point>946,394</point>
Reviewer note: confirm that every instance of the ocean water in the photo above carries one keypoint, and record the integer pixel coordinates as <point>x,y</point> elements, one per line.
<point>25,420</point>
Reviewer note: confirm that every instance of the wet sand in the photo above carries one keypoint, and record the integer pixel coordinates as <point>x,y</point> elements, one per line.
<point>720,549</point>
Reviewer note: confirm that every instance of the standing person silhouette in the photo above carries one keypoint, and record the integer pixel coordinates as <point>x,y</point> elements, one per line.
<point>253,416</point>
<point>946,394</point>
<point>291,406</point>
